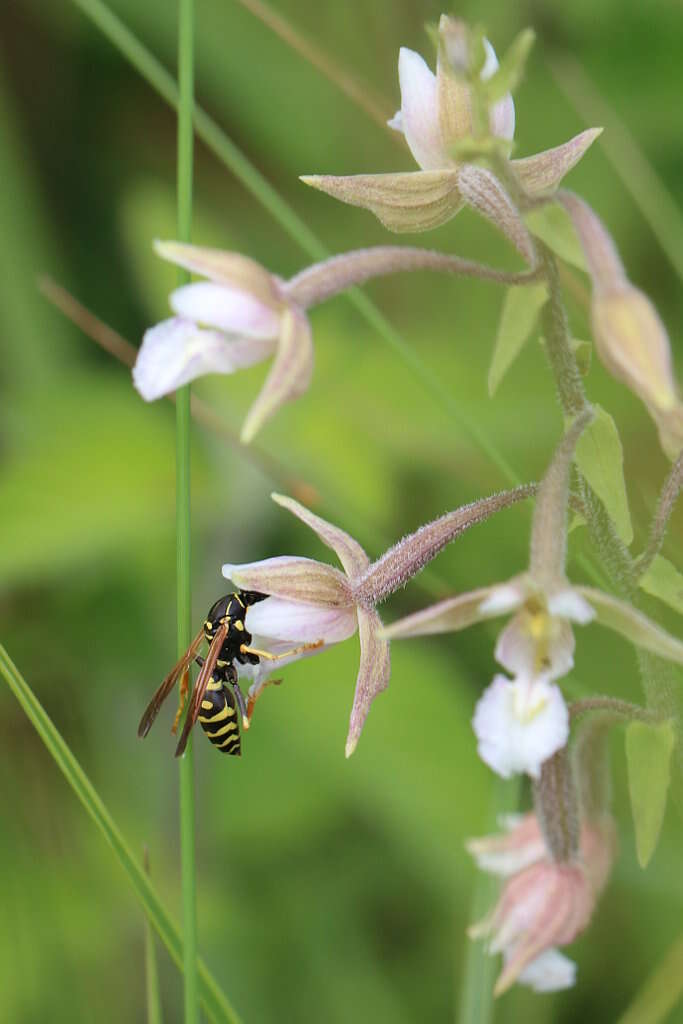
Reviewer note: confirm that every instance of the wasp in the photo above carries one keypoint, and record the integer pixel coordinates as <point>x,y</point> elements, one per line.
<point>216,697</point>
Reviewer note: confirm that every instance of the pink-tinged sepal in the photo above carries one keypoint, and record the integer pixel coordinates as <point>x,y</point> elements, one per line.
<point>290,374</point>
<point>373,673</point>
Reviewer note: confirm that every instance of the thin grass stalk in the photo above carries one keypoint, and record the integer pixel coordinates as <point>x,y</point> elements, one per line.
<point>183,526</point>
<point>213,999</point>
<point>474,1002</point>
<point>153,994</point>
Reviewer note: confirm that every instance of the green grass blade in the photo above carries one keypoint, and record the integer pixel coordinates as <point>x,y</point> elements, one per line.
<point>662,991</point>
<point>183,522</point>
<point>214,1000</point>
<point>154,1012</point>
<point>233,158</point>
<point>647,189</point>
<point>474,1002</point>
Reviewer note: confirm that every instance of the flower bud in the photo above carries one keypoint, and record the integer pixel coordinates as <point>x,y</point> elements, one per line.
<point>630,338</point>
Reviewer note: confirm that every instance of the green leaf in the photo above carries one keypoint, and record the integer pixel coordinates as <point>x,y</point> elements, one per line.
<point>600,458</point>
<point>663,580</point>
<point>517,320</point>
<point>512,65</point>
<point>661,992</point>
<point>551,223</point>
<point>648,756</point>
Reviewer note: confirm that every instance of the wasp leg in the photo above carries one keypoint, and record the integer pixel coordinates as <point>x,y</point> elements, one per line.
<point>199,660</point>
<point>182,698</point>
<point>241,704</point>
<point>245,649</point>
<point>253,697</point>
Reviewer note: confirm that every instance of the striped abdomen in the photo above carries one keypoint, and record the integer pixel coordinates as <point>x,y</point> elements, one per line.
<point>218,717</point>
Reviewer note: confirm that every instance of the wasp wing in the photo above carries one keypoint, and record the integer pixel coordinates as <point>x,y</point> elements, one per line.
<point>169,682</point>
<point>200,686</point>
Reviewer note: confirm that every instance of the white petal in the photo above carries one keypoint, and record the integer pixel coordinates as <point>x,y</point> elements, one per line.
<point>502,114</point>
<point>504,598</point>
<point>549,972</point>
<point>396,122</point>
<point>520,724</point>
<point>298,623</point>
<point>176,351</point>
<point>258,674</point>
<point>229,309</point>
<point>502,118</point>
<point>571,605</point>
<point>419,111</point>
<point>536,642</point>
<point>507,861</point>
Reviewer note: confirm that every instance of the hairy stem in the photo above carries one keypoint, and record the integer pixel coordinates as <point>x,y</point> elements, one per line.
<point>667,500</point>
<point>322,280</point>
<point>557,807</point>
<point>406,558</point>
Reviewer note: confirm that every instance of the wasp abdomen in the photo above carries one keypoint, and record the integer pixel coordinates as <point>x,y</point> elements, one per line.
<point>218,717</point>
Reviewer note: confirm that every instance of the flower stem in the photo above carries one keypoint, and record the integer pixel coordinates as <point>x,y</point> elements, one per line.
<point>321,281</point>
<point>183,592</point>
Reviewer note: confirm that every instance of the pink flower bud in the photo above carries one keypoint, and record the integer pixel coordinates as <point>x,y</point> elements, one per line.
<point>542,907</point>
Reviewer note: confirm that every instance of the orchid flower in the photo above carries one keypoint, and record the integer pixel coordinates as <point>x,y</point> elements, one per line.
<point>237,317</point>
<point>544,904</point>
<point>310,602</point>
<point>520,722</point>
<point>435,115</point>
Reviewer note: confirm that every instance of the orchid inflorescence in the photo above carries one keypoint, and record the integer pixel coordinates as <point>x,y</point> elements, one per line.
<point>459,126</point>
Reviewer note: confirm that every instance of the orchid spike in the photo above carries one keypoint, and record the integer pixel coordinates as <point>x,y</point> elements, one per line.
<point>521,722</point>
<point>237,317</point>
<point>310,602</point>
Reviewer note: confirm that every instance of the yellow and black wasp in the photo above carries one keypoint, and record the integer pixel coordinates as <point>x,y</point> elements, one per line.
<point>216,697</point>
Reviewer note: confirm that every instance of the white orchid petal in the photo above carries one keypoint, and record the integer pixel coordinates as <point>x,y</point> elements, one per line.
<point>502,113</point>
<point>504,597</point>
<point>396,122</point>
<point>506,862</point>
<point>279,619</point>
<point>419,111</point>
<point>569,604</point>
<point>502,118</point>
<point>258,674</point>
<point>535,642</point>
<point>373,674</point>
<point>176,351</point>
<point>519,724</point>
<point>549,972</point>
<point>290,374</point>
<point>228,309</point>
<point>295,579</point>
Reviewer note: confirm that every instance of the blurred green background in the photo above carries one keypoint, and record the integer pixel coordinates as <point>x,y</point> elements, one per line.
<point>328,890</point>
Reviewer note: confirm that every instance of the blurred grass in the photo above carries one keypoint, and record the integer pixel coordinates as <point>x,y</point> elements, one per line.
<point>327,890</point>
